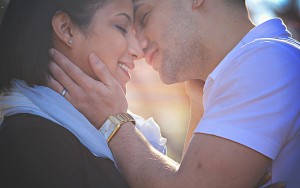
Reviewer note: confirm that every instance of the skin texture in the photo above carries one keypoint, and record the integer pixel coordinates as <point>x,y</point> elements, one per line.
<point>219,162</point>
<point>179,50</point>
<point>194,89</point>
<point>110,36</point>
<point>163,53</point>
<point>209,161</point>
<point>180,19</point>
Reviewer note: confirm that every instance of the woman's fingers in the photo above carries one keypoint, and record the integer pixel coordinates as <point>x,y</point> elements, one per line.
<point>96,100</point>
<point>267,176</point>
<point>194,89</point>
<point>277,185</point>
<point>53,84</point>
<point>70,69</point>
<point>100,70</point>
<point>62,79</point>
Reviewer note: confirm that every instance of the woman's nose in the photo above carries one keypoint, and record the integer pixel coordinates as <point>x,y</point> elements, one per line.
<point>142,40</point>
<point>135,48</point>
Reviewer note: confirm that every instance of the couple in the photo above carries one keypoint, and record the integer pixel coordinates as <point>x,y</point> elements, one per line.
<point>251,120</point>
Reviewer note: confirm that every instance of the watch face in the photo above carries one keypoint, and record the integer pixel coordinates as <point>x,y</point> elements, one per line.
<point>113,123</point>
<point>107,128</point>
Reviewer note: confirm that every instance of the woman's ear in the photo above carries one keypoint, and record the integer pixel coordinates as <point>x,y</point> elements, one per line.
<point>197,3</point>
<point>63,28</point>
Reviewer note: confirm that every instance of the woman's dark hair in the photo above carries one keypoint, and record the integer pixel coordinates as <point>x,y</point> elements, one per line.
<point>26,36</point>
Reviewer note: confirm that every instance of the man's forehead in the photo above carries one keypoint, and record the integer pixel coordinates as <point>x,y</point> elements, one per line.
<point>139,3</point>
<point>135,1</point>
<point>136,5</point>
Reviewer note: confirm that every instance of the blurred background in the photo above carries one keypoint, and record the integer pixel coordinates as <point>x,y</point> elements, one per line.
<point>168,104</point>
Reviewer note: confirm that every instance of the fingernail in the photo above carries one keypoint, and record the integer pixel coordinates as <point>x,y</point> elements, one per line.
<point>282,184</point>
<point>94,58</point>
<point>52,64</point>
<point>51,51</point>
<point>268,175</point>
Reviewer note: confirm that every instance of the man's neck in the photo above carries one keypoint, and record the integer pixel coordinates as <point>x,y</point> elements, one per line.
<point>226,33</point>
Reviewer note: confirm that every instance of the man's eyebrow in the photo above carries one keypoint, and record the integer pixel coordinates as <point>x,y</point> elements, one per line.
<point>135,7</point>
<point>126,15</point>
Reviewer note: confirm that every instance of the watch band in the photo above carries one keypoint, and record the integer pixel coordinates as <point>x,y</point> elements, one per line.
<point>113,124</point>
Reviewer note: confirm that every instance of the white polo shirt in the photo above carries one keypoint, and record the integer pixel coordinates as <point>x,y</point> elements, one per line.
<point>253,98</point>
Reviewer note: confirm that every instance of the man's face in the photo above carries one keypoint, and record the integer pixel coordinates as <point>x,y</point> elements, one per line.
<point>166,31</point>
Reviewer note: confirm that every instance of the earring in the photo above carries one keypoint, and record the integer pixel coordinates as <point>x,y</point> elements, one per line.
<point>70,41</point>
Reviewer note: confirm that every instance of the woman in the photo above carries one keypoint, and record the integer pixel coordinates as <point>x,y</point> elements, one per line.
<point>44,140</point>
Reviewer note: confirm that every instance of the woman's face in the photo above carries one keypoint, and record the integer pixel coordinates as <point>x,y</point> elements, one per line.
<point>110,36</point>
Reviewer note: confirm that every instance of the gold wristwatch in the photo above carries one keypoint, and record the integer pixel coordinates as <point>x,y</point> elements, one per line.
<point>113,124</point>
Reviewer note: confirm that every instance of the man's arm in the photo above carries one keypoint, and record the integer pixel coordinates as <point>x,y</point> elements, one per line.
<point>209,161</point>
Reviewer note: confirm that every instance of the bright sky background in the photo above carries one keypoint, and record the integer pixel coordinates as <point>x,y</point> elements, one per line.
<point>263,9</point>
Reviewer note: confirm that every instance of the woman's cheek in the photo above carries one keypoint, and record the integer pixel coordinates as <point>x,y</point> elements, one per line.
<point>121,46</point>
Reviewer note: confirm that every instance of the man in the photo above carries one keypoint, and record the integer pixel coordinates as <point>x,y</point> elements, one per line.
<point>251,120</point>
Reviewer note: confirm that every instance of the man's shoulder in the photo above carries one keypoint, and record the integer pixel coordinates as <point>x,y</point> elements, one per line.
<point>266,56</point>
<point>270,47</point>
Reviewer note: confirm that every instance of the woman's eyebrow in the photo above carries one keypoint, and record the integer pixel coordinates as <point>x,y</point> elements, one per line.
<point>126,15</point>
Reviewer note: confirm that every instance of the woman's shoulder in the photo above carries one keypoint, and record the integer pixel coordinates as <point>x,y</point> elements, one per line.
<point>42,150</point>
<point>33,133</point>
<point>24,121</point>
<point>28,127</point>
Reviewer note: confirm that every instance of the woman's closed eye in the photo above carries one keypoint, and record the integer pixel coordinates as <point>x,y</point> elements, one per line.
<point>122,29</point>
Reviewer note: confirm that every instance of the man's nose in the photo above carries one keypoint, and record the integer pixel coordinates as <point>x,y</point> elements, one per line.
<point>143,41</point>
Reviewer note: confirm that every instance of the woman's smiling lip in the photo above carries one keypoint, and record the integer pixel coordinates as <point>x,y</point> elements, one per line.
<point>126,67</point>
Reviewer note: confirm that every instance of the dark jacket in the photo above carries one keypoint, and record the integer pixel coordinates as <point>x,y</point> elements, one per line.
<point>37,153</point>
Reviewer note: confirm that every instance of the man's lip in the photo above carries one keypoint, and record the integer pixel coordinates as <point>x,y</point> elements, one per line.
<point>149,56</point>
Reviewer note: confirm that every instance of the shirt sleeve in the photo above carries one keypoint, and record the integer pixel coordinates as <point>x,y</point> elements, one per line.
<point>254,101</point>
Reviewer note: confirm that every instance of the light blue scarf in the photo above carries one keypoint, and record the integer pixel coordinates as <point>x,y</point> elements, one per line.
<point>45,102</point>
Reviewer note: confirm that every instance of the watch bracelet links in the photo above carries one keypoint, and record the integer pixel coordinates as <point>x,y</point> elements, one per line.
<point>114,132</point>
<point>124,119</point>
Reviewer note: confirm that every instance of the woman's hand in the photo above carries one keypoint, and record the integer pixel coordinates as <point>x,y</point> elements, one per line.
<point>194,89</point>
<point>96,100</point>
<point>267,177</point>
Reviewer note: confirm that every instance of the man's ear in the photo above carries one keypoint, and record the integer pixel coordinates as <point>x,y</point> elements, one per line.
<point>63,28</point>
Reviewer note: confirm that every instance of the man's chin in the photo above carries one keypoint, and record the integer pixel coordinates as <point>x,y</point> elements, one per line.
<point>167,80</point>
